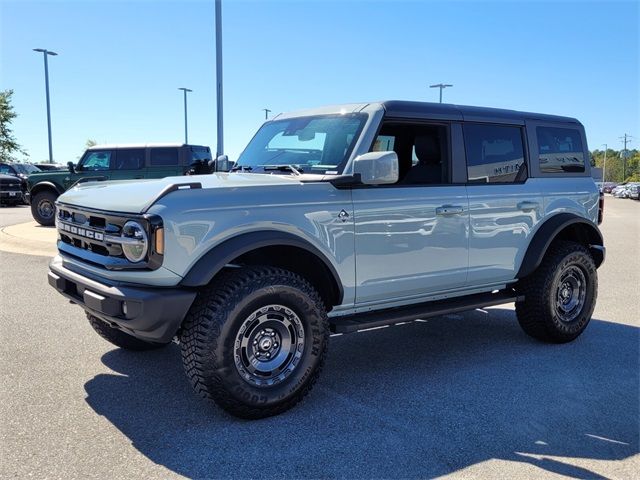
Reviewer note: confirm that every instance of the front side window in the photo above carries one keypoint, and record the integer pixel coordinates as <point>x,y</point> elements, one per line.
<point>130,159</point>
<point>97,160</point>
<point>495,153</point>
<point>317,144</point>
<point>164,157</point>
<point>422,149</point>
<point>560,150</point>
<point>26,169</point>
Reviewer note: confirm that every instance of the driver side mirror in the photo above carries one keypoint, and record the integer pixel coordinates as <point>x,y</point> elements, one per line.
<point>377,168</point>
<point>72,167</point>
<point>220,164</point>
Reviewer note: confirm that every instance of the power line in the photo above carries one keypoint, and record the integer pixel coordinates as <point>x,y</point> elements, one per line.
<point>625,139</point>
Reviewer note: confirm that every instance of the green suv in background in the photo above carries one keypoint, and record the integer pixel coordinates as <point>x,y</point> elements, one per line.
<point>114,162</point>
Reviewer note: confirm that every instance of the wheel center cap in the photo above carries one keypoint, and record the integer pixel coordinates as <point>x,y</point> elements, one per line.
<point>265,344</point>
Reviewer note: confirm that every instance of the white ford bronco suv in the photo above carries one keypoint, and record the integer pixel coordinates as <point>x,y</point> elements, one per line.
<point>337,219</point>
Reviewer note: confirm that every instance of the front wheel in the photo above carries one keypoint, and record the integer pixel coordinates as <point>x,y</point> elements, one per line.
<point>43,208</point>
<point>255,341</point>
<point>560,295</point>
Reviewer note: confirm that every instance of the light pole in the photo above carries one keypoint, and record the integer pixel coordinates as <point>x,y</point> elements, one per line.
<point>266,113</point>
<point>46,53</point>
<point>185,90</point>
<point>441,86</point>
<point>604,164</point>
<point>220,148</point>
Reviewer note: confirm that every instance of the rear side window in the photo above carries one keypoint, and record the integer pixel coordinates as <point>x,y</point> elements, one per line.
<point>164,157</point>
<point>560,150</point>
<point>494,153</point>
<point>130,159</point>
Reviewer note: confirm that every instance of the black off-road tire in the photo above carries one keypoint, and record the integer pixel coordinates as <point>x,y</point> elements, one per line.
<point>120,338</point>
<point>38,207</point>
<point>539,314</point>
<point>212,335</point>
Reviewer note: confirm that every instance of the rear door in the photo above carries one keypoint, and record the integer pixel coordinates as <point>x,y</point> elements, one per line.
<point>505,206</point>
<point>411,237</point>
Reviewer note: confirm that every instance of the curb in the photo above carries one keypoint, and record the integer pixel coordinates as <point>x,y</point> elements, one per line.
<point>29,239</point>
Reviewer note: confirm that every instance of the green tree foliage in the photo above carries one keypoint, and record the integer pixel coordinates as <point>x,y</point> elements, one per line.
<point>90,143</point>
<point>615,168</point>
<point>9,146</point>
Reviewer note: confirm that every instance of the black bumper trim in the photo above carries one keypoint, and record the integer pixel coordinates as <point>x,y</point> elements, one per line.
<point>153,314</point>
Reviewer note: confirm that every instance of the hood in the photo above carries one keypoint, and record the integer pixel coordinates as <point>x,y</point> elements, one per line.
<point>135,196</point>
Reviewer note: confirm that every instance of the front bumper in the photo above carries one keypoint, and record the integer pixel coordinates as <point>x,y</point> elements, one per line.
<point>153,314</point>
<point>11,195</point>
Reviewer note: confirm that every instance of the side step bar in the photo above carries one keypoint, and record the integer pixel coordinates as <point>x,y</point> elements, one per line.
<point>391,316</point>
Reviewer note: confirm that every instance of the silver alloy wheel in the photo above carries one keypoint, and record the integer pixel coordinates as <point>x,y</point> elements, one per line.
<point>269,345</point>
<point>46,208</point>
<point>571,293</point>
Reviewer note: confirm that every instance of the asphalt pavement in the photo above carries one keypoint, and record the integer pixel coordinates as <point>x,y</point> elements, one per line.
<point>466,396</point>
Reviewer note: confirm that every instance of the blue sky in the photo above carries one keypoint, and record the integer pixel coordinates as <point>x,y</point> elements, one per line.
<point>120,63</point>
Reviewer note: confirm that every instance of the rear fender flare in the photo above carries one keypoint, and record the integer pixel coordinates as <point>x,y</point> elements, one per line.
<point>550,230</point>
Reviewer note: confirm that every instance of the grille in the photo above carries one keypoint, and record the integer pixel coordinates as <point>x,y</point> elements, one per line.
<point>10,187</point>
<point>86,230</point>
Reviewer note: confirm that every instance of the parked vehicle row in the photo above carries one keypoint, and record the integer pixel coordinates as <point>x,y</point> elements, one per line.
<point>627,190</point>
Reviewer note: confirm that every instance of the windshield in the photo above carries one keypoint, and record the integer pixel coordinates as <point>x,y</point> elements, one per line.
<point>318,144</point>
<point>25,168</point>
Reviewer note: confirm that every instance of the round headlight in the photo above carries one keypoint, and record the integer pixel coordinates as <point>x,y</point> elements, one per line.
<point>135,242</point>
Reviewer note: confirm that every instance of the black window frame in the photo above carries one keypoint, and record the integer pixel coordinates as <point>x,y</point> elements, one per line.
<point>525,173</point>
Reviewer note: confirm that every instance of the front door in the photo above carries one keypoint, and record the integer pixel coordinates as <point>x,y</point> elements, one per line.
<point>411,238</point>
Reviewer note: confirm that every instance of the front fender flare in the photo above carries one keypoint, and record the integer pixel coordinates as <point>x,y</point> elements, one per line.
<point>203,271</point>
<point>46,186</point>
<point>549,230</point>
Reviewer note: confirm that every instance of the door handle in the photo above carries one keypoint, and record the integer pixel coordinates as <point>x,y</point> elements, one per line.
<point>527,206</point>
<point>446,210</point>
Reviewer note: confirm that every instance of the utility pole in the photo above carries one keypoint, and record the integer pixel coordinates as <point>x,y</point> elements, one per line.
<point>625,139</point>
<point>185,90</point>
<point>46,53</point>
<point>220,147</point>
<point>441,86</point>
<point>266,113</point>
<point>604,165</point>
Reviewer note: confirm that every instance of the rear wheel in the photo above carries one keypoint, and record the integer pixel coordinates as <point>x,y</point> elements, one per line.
<point>255,341</point>
<point>560,295</point>
<point>43,207</point>
<point>120,338</point>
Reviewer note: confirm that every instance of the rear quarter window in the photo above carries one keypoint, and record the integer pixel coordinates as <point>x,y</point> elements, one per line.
<point>163,157</point>
<point>560,150</point>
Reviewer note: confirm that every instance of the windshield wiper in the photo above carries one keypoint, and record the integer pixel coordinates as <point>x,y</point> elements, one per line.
<point>242,168</point>
<point>282,168</point>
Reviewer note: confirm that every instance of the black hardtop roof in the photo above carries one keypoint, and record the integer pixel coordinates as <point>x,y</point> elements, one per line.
<point>403,107</point>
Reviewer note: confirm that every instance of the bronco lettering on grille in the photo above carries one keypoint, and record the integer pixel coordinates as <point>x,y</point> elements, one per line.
<point>81,232</point>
